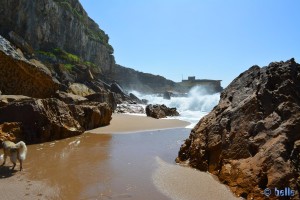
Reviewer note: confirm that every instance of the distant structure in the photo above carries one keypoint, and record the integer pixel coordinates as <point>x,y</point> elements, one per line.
<point>212,86</point>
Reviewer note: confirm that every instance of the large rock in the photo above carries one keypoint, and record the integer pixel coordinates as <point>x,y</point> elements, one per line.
<point>251,139</point>
<point>18,76</point>
<point>70,98</point>
<point>92,116</point>
<point>50,119</point>
<point>80,89</point>
<point>160,111</point>
<point>104,97</point>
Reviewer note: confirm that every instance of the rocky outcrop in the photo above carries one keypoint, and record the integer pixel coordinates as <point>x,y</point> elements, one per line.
<point>49,24</point>
<point>18,76</point>
<point>91,116</point>
<point>104,97</point>
<point>70,98</point>
<point>160,111</point>
<point>80,89</point>
<point>142,82</point>
<point>251,138</point>
<point>50,119</point>
<point>5,99</point>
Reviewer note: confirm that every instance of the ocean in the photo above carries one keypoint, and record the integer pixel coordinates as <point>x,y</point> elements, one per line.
<point>191,108</point>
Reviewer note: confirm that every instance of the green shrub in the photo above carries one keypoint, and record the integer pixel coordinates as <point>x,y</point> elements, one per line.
<point>66,56</point>
<point>45,53</point>
<point>68,66</point>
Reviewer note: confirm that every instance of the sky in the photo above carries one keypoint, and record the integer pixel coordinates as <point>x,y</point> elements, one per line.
<point>209,39</point>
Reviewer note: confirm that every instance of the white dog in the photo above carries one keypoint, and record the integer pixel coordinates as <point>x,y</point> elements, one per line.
<point>15,152</point>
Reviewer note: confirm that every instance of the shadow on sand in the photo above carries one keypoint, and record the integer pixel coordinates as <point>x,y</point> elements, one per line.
<point>6,172</point>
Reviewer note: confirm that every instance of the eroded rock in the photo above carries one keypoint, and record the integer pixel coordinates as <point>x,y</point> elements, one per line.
<point>251,138</point>
<point>50,119</point>
<point>160,111</point>
<point>18,76</point>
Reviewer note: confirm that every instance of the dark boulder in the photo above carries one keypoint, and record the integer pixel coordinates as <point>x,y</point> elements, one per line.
<point>135,98</point>
<point>116,88</point>
<point>167,95</point>
<point>104,97</point>
<point>50,119</point>
<point>160,111</point>
<point>251,139</point>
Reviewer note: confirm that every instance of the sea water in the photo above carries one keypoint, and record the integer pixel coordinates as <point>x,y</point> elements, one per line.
<point>196,104</point>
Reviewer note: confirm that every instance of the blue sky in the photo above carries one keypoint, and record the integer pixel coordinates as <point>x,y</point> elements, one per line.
<point>210,39</point>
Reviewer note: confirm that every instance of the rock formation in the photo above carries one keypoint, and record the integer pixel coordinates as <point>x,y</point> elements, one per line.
<point>49,24</point>
<point>20,77</point>
<point>142,82</point>
<point>44,120</point>
<point>160,111</point>
<point>251,139</point>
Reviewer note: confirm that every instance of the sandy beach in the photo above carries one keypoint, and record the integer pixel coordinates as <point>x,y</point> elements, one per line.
<point>111,166</point>
<point>125,123</point>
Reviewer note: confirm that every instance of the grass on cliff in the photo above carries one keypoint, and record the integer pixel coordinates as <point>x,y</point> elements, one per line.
<point>66,56</point>
<point>68,66</point>
<point>46,53</point>
<point>67,59</point>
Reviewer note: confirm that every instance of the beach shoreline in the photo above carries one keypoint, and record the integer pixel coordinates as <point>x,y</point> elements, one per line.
<point>127,123</point>
<point>23,185</point>
<point>98,165</point>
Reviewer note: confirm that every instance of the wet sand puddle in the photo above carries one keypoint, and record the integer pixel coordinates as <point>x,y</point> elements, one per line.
<point>104,166</point>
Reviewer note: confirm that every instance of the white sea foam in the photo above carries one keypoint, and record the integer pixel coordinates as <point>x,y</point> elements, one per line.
<point>191,108</point>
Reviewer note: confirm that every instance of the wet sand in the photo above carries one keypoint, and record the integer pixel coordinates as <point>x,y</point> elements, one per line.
<point>109,166</point>
<point>123,123</point>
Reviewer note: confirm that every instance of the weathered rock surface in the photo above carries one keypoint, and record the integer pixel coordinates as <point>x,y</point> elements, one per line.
<point>160,111</point>
<point>5,99</point>
<point>80,89</point>
<point>130,108</point>
<point>103,97</point>
<point>251,139</point>
<point>70,98</point>
<point>49,24</point>
<point>50,119</point>
<point>91,116</point>
<point>18,76</point>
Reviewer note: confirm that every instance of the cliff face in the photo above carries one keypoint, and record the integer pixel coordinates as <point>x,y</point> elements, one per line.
<point>50,24</point>
<point>131,79</point>
<point>251,139</point>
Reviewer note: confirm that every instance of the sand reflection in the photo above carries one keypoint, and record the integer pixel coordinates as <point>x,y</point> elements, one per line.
<point>120,166</point>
